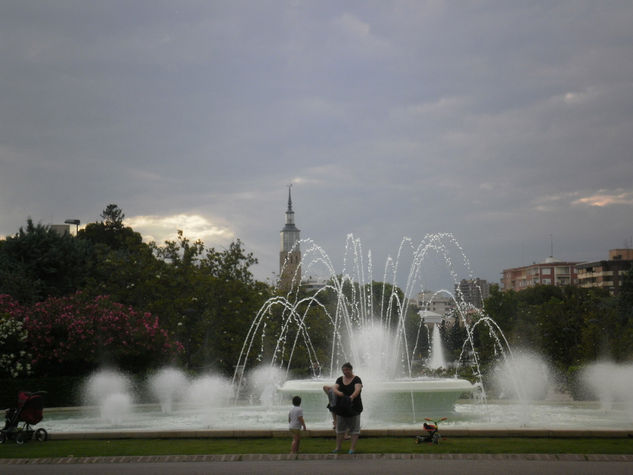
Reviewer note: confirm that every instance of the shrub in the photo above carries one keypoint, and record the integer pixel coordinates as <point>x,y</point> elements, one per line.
<point>15,360</point>
<point>75,334</point>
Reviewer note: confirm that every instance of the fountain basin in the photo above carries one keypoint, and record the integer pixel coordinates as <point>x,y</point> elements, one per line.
<point>391,401</point>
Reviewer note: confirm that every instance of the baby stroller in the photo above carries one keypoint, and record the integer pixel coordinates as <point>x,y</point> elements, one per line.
<point>18,420</point>
<point>432,431</point>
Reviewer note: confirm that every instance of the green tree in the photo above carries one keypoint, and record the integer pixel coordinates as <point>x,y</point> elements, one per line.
<point>111,232</point>
<point>568,325</point>
<point>624,323</point>
<point>38,262</point>
<point>209,299</point>
<point>455,341</point>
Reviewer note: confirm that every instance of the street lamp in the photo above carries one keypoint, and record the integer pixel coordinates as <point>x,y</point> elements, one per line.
<point>75,222</point>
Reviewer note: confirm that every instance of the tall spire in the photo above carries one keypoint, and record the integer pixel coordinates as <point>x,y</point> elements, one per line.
<point>290,253</point>
<point>290,215</point>
<point>289,198</point>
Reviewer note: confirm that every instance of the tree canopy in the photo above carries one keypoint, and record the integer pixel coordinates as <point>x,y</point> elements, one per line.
<point>204,298</point>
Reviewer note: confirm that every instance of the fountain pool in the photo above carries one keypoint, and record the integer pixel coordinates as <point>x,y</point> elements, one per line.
<point>393,401</point>
<point>196,407</point>
<point>467,414</point>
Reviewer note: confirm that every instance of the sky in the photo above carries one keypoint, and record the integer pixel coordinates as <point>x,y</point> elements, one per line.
<point>507,124</point>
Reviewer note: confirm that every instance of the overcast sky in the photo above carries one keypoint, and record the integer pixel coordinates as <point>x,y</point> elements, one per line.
<point>503,123</point>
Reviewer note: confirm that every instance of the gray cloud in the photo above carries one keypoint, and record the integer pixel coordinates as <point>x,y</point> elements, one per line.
<point>500,122</point>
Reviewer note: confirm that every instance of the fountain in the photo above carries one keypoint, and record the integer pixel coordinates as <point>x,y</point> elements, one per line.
<point>167,386</point>
<point>369,325</point>
<point>436,360</point>
<point>612,384</point>
<point>525,378</point>
<point>110,391</point>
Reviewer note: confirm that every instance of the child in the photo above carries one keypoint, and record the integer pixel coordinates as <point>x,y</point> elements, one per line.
<point>331,399</point>
<point>295,423</point>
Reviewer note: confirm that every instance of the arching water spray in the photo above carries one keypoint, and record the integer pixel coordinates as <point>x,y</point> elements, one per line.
<point>367,327</point>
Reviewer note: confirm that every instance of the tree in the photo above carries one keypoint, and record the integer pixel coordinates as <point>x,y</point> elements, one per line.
<point>456,338</point>
<point>38,262</point>
<point>624,323</point>
<point>568,325</point>
<point>113,217</point>
<point>207,297</point>
<point>111,232</point>
<point>210,299</point>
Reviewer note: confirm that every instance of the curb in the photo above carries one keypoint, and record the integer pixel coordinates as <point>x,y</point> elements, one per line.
<point>298,457</point>
<point>245,434</point>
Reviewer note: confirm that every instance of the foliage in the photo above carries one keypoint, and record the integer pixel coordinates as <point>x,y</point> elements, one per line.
<point>15,360</point>
<point>78,334</point>
<point>37,262</point>
<point>61,391</point>
<point>209,299</point>
<point>111,232</point>
<point>568,325</point>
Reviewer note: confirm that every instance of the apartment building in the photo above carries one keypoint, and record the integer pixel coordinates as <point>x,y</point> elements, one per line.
<point>549,272</point>
<point>473,291</point>
<point>606,274</point>
<point>436,302</point>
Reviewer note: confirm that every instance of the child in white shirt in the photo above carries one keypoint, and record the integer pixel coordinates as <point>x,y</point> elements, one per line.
<point>295,424</point>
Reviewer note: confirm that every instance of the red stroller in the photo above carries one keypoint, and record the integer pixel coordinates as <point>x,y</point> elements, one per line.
<point>18,420</point>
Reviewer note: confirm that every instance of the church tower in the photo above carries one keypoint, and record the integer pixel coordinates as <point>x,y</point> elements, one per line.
<point>290,255</point>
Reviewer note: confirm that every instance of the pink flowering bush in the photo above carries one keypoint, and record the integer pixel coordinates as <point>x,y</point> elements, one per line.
<point>74,334</point>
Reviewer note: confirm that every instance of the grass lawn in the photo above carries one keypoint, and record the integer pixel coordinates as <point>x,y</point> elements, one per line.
<point>90,448</point>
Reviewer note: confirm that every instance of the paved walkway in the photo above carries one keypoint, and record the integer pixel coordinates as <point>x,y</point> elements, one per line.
<point>286,457</point>
<point>403,464</point>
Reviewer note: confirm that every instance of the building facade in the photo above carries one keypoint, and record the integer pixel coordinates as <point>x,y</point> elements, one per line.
<point>607,274</point>
<point>549,272</point>
<point>290,254</point>
<point>60,229</point>
<point>435,302</point>
<point>473,291</point>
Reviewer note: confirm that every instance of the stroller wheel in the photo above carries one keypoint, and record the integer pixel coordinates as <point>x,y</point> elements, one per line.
<point>20,438</point>
<point>41,435</point>
<point>3,437</point>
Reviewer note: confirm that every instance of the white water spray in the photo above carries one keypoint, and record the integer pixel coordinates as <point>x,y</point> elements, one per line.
<point>168,385</point>
<point>437,360</point>
<point>111,392</point>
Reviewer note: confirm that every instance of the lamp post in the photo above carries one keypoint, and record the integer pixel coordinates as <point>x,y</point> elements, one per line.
<point>75,222</point>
